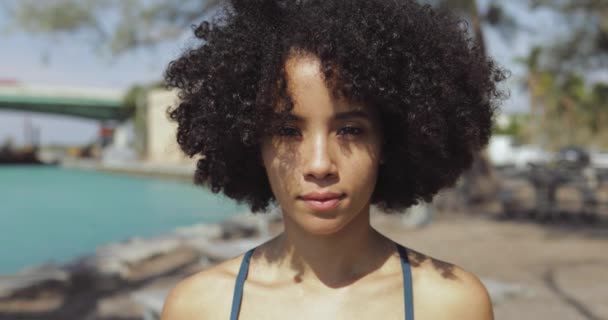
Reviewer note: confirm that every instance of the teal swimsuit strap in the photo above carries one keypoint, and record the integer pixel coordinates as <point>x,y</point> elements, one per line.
<point>238,288</point>
<point>408,294</point>
<point>405,267</point>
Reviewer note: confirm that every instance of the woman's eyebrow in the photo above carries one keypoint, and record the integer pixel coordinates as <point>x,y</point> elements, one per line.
<point>346,115</point>
<point>290,117</point>
<point>353,114</point>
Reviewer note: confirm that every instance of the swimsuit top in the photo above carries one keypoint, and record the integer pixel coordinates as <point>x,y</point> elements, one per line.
<point>405,267</point>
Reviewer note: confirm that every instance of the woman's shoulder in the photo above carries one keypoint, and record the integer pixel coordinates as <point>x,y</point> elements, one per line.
<point>443,290</point>
<point>203,295</point>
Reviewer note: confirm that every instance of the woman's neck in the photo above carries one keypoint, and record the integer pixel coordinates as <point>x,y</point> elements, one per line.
<point>334,260</point>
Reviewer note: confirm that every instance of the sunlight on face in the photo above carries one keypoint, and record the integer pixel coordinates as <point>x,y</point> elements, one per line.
<point>322,162</point>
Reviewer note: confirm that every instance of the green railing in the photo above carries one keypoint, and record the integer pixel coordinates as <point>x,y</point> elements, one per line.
<point>84,107</point>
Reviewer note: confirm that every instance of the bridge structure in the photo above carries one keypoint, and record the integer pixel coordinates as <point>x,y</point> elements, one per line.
<point>89,103</point>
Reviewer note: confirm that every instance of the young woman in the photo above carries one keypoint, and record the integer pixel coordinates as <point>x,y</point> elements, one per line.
<point>325,107</point>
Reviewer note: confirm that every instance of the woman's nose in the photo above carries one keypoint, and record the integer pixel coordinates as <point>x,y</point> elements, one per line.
<point>319,162</point>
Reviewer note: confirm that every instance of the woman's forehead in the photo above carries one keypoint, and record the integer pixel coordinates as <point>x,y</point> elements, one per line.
<point>303,67</point>
<point>311,93</point>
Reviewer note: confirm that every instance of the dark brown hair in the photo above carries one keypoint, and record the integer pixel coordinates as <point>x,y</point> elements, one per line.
<point>434,90</point>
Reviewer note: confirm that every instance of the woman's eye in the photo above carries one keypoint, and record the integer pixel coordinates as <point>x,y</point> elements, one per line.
<point>351,131</point>
<point>288,132</point>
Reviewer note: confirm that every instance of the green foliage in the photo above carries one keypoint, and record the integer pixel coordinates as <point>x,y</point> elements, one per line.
<point>513,127</point>
<point>586,46</point>
<point>64,15</point>
<point>141,23</point>
<point>135,100</point>
<point>117,25</point>
<point>568,110</point>
<point>565,108</point>
<point>134,97</point>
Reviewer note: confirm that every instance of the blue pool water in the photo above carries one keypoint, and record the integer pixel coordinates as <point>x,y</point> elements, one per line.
<point>49,214</point>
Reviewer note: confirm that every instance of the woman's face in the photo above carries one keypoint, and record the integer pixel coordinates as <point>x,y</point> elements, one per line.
<point>322,163</point>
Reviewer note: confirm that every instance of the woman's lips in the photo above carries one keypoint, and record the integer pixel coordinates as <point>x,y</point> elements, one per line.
<point>323,203</point>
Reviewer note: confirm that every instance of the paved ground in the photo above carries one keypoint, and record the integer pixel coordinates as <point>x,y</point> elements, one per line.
<point>563,268</point>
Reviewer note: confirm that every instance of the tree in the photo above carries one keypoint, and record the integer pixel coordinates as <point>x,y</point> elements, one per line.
<point>569,108</point>
<point>586,46</point>
<point>141,23</point>
<point>113,25</point>
<point>144,23</point>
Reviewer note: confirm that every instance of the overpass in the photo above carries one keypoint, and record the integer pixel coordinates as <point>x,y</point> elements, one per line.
<point>89,103</point>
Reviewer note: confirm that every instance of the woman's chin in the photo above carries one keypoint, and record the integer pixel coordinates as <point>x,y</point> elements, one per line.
<point>322,223</point>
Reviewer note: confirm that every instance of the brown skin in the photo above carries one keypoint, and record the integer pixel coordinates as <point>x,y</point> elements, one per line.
<point>330,264</point>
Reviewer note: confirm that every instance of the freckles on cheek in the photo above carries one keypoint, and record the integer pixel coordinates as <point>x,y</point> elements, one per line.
<point>366,168</point>
<point>284,167</point>
<point>367,156</point>
<point>283,180</point>
<point>280,165</point>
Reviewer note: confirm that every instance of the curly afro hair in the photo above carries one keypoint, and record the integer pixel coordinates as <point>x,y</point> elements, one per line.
<point>433,88</point>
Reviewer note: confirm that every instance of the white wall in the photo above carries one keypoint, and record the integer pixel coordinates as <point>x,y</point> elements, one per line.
<point>162,146</point>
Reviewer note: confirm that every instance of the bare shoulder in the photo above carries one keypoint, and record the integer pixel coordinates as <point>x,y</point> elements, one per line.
<point>204,295</point>
<point>445,291</point>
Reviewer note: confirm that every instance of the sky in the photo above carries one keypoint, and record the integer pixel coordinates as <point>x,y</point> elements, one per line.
<point>74,61</point>
<point>71,61</point>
